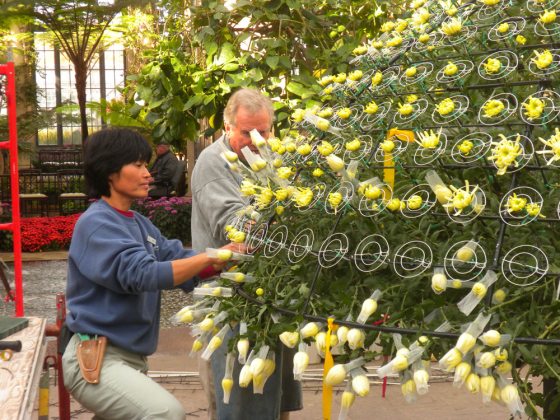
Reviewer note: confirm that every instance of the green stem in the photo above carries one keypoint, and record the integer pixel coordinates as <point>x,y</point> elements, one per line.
<point>548,365</point>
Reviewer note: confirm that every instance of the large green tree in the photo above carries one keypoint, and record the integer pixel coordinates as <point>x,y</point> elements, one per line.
<point>203,50</point>
<point>77,27</point>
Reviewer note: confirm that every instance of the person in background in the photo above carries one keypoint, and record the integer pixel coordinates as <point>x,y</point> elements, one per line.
<point>216,199</point>
<point>118,264</point>
<point>163,170</point>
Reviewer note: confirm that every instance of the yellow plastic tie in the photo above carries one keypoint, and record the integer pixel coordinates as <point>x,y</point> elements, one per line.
<point>329,363</point>
<point>388,163</point>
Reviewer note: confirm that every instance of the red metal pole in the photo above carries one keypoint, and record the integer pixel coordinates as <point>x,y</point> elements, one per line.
<point>9,71</point>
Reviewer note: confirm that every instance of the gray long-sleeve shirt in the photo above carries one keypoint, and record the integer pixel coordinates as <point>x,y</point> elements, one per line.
<point>216,197</point>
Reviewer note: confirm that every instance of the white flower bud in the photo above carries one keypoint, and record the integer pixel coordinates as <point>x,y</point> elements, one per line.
<point>451,359</point>
<point>348,398</point>
<point>473,383</point>
<point>465,342</point>
<point>462,371</point>
<point>369,306</point>
<point>400,363</point>
<point>245,376</point>
<point>439,283</point>
<point>301,360</point>
<point>356,338</point>
<point>421,378</point>
<point>509,394</point>
<point>309,330</point>
<point>289,339</point>
<point>487,360</point>
<point>335,375</point>
<point>227,385</point>
<point>342,334</point>
<point>243,348</point>
<point>335,163</point>
<point>491,338</point>
<point>487,385</point>
<point>257,366</point>
<point>360,385</point>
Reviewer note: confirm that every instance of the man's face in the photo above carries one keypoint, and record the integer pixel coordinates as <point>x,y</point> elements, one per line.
<point>245,121</point>
<point>161,149</point>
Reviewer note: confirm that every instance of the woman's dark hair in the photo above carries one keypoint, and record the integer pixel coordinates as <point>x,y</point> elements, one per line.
<point>107,151</point>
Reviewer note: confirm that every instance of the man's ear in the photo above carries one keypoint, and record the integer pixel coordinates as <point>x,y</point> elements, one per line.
<point>227,127</point>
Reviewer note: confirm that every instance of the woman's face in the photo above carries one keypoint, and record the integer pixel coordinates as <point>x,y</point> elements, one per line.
<point>131,182</point>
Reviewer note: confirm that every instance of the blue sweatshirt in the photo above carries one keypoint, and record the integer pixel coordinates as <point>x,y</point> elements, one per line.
<point>117,266</point>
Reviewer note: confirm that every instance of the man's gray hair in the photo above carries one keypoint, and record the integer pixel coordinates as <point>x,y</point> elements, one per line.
<point>249,99</point>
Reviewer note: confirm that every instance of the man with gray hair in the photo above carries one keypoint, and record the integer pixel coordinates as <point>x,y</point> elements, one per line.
<point>216,199</point>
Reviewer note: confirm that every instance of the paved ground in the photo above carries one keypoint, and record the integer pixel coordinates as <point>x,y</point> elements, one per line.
<point>177,372</point>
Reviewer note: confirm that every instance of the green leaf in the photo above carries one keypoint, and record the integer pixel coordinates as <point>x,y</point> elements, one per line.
<point>193,101</point>
<point>272,62</point>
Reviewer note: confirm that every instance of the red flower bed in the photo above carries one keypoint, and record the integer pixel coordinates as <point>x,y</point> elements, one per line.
<point>44,233</point>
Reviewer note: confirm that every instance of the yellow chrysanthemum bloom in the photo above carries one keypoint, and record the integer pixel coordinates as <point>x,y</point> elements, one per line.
<point>462,198</point>
<point>552,147</point>
<point>318,172</point>
<point>395,41</point>
<point>325,148</point>
<point>326,80</point>
<point>515,203</point>
<point>547,17</point>
<point>387,26</point>
<point>302,196</point>
<point>376,78</point>
<point>401,25</point>
<point>451,11</point>
<point>264,197</point>
<point>543,59</point>
<point>534,210</point>
<point>492,65</point>
<point>416,4</point>
<point>490,2</point>
<point>452,27</point>
<point>503,28</point>
<point>411,98</point>
<point>429,139</point>
<point>411,71</point>
<point>493,108</point>
<point>520,39</point>
<point>298,115</point>
<point>340,78</point>
<point>371,108</point>
<point>285,172</point>
<point>334,199</point>
<point>450,69</point>
<point>353,145</point>
<point>377,44</point>
<point>421,17</point>
<point>423,38</point>
<point>446,106</point>
<point>405,109</point>
<point>247,188</point>
<point>465,147</point>
<point>355,75</point>
<point>344,113</point>
<point>534,107</point>
<point>304,149</point>
<point>362,49</point>
<point>282,193</point>
<point>325,112</point>
<point>505,153</point>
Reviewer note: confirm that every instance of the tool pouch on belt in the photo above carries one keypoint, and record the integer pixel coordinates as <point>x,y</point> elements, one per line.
<point>90,357</point>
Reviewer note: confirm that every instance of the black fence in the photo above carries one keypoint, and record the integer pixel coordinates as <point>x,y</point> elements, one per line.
<point>47,193</point>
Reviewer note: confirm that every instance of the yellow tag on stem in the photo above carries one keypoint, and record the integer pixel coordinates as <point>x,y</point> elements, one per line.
<point>327,390</point>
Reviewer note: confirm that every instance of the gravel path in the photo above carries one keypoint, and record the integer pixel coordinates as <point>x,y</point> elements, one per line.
<point>42,280</point>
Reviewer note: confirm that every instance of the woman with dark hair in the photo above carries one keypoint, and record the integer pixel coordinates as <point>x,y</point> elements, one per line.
<point>117,266</point>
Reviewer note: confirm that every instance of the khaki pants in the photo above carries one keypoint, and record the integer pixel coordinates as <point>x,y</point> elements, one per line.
<point>124,390</point>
